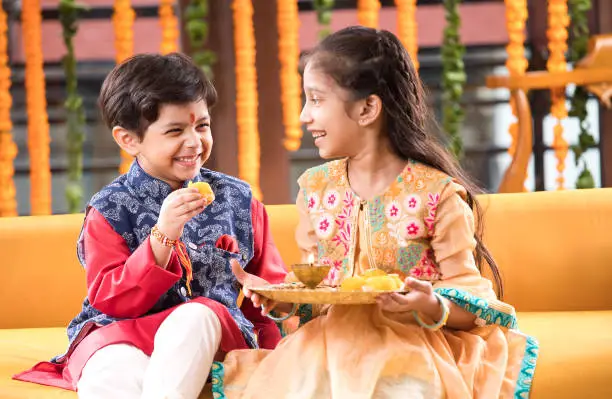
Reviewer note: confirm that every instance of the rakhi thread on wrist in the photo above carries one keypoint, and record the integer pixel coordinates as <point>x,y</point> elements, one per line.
<point>181,252</point>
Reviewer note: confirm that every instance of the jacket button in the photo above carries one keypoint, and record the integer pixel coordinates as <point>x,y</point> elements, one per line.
<point>192,246</point>
<point>183,291</point>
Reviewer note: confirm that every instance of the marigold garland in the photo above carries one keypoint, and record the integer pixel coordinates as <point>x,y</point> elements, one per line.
<point>407,28</point>
<point>516,63</point>
<point>246,95</point>
<point>558,22</point>
<point>123,23</point>
<point>8,149</point>
<point>38,125</point>
<point>169,27</point>
<point>367,13</point>
<point>289,55</point>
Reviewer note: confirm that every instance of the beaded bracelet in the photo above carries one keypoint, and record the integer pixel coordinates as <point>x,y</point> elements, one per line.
<point>443,319</point>
<point>293,310</point>
<point>180,250</point>
<point>162,238</point>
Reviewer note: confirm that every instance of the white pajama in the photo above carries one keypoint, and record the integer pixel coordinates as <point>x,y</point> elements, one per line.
<point>184,348</point>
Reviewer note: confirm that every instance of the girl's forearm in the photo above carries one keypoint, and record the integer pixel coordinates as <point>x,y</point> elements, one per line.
<point>458,318</point>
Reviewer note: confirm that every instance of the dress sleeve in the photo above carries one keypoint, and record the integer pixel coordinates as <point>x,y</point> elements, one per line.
<point>121,283</point>
<point>454,244</point>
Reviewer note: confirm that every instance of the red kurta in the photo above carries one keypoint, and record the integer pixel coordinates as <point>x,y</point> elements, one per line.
<point>127,285</point>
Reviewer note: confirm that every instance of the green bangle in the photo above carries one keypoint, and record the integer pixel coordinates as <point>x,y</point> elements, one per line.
<point>443,319</point>
<point>293,310</point>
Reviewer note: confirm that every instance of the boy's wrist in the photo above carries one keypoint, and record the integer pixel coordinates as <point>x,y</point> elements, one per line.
<point>168,232</point>
<point>162,235</point>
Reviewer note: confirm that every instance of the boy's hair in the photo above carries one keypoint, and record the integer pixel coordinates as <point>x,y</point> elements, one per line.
<point>134,90</point>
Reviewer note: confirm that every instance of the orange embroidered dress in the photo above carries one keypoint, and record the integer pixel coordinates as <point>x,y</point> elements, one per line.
<point>421,226</point>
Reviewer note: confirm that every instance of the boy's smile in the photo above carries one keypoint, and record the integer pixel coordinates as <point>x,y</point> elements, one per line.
<point>188,161</point>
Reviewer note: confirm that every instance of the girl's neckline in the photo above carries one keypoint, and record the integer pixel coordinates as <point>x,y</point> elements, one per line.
<point>398,179</point>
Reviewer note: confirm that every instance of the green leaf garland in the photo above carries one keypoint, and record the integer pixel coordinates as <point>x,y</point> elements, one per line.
<point>324,9</point>
<point>578,10</point>
<point>453,77</point>
<point>69,12</point>
<point>196,26</point>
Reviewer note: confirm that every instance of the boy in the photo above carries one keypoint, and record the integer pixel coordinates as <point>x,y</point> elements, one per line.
<point>162,298</point>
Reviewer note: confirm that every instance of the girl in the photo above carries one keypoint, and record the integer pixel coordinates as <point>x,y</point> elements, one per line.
<point>393,200</point>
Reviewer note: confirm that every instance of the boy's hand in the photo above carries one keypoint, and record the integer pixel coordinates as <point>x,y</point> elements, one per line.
<point>177,209</point>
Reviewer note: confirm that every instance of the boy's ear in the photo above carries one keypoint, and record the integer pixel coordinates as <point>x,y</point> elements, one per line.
<point>126,140</point>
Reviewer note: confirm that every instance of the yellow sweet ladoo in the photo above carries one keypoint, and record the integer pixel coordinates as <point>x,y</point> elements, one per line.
<point>204,189</point>
<point>372,280</point>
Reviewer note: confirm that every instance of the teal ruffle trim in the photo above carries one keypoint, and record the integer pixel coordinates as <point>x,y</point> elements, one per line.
<point>525,378</point>
<point>479,307</point>
<point>217,372</point>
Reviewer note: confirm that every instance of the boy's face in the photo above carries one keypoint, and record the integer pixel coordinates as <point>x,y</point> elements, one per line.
<point>177,144</point>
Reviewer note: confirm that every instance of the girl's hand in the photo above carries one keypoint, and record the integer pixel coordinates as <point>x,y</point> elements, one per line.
<point>250,280</point>
<point>420,298</point>
<point>177,209</point>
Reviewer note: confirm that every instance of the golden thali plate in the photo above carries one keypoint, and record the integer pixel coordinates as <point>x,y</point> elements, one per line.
<point>325,295</point>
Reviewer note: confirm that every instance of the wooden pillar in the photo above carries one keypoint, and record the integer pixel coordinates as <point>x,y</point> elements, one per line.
<point>540,99</point>
<point>602,9</point>
<point>274,172</point>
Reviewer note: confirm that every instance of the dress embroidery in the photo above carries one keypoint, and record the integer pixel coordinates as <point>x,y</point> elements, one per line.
<point>400,222</point>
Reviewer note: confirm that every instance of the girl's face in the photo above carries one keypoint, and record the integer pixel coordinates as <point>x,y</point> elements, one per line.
<point>177,144</point>
<point>329,116</point>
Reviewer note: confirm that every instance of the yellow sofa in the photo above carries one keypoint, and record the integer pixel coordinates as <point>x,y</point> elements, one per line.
<point>554,250</point>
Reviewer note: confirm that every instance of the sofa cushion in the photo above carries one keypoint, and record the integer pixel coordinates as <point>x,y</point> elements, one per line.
<point>41,276</point>
<point>575,353</point>
<point>20,349</point>
<point>553,248</point>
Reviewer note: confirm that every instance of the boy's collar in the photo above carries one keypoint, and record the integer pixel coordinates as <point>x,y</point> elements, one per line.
<point>147,186</point>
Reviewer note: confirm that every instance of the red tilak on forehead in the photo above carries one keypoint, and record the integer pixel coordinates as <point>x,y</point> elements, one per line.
<point>192,117</point>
